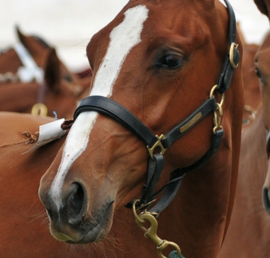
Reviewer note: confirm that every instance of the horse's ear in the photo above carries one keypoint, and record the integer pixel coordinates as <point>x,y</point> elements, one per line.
<point>52,74</point>
<point>22,38</point>
<point>262,6</point>
<point>19,34</point>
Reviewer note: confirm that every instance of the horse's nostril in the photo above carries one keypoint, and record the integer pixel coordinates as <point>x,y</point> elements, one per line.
<point>75,203</point>
<point>266,200</point>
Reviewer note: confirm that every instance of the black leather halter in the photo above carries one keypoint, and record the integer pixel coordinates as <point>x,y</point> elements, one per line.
<point>117,112</point>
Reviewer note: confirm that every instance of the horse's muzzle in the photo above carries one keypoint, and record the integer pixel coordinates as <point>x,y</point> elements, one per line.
<point>72,223</point>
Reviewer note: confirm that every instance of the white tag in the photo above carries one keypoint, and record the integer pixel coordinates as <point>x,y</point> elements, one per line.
<point>48,133</point>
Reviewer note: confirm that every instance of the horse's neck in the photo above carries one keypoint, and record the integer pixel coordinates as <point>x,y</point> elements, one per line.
<point>252,173</point>
<point>253,154</point>
<point>250,225</point>
<point>18,97</point>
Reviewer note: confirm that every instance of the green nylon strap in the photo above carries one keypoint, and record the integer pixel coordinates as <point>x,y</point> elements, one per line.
<point>174,254</point>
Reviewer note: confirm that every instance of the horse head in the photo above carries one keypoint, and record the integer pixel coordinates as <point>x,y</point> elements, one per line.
<point>252,93</point>
<point>262,70</point>
<point>154,70</point>
<point>50,95</point>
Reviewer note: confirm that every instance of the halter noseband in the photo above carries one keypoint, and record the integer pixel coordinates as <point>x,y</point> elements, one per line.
<point>117,112</point>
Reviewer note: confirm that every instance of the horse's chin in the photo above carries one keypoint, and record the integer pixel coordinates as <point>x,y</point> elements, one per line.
<point>95,235</point>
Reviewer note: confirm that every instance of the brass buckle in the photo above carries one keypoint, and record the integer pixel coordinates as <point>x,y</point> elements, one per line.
<point>157,144</point>
<point>39,109</point>
<point>232,48</point>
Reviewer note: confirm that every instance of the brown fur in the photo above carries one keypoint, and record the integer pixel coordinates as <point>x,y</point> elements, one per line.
<point>200,214</point>
<point>248,234</point>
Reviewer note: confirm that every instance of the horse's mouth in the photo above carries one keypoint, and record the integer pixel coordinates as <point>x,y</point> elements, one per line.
<point>96,227</point>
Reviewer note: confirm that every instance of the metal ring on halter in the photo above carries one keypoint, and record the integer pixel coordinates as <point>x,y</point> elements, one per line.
<point>39,109</point>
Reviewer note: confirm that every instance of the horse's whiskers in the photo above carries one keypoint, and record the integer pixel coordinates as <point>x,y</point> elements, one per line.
<point>39,215</point>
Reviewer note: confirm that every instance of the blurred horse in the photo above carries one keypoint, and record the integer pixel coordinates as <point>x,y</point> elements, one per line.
<point>35,74</point>
<point>15,125</point>
<point>52,94</point>
<point>159,60</point>
<point>248,233</point>
<point>36,48</point>
<point>252,95</point>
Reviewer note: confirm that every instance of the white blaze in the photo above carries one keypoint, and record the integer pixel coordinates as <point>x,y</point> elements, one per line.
<point>122,39</point>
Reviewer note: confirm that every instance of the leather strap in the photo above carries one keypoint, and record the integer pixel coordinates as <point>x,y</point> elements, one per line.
<point>178,175</point>
<point>233,56</point>
<point>114,110</point>
<point>179,130</point>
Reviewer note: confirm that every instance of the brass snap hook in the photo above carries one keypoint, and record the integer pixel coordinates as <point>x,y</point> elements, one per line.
<point>151,232</point>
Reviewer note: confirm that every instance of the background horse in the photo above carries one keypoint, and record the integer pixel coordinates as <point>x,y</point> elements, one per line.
<point>21,97</point>
<point>38,48</point>
<point>151,59</point>
<point>14,125</point>
<point>57,86</point>
<point>248,233</point>
<point>252,95</point>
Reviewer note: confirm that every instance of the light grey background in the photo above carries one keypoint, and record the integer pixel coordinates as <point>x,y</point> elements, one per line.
<point>69,24</point>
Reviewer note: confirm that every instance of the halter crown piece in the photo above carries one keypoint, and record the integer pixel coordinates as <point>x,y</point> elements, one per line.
<point>29,70</point>
<point>117,112</point>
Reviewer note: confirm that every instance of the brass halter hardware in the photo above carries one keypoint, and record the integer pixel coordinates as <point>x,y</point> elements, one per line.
<point>151,232</point>
<point>232,48</point>
<point>39,109</point>
<point>218,113</point>
<point>157,144</point>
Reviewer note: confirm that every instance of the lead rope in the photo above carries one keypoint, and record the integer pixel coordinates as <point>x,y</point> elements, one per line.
<point>151,232</point>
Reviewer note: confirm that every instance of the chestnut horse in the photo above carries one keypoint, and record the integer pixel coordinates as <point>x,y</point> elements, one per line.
<point>159,60</point>
<point>248,233</point>
<point>15,125</point>
<point>37,48</point>
<point>23,222</point>
<point>44,80</point>
<point>252,95</point>
<point>53,93</point>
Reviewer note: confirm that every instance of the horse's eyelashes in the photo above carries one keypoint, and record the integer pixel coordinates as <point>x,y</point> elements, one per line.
<point>258,73</point>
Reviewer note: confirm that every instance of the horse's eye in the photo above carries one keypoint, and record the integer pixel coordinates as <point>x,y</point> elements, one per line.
<point>67,77</point>
<point>258,73</point>
<point>170,61</point>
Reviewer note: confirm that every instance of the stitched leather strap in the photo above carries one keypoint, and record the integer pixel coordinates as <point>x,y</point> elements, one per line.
<point>179,130</point>
<point>112,109</point>
<point>178,175</point>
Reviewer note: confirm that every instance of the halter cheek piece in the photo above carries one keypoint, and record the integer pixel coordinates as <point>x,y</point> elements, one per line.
<point>117,112</point>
